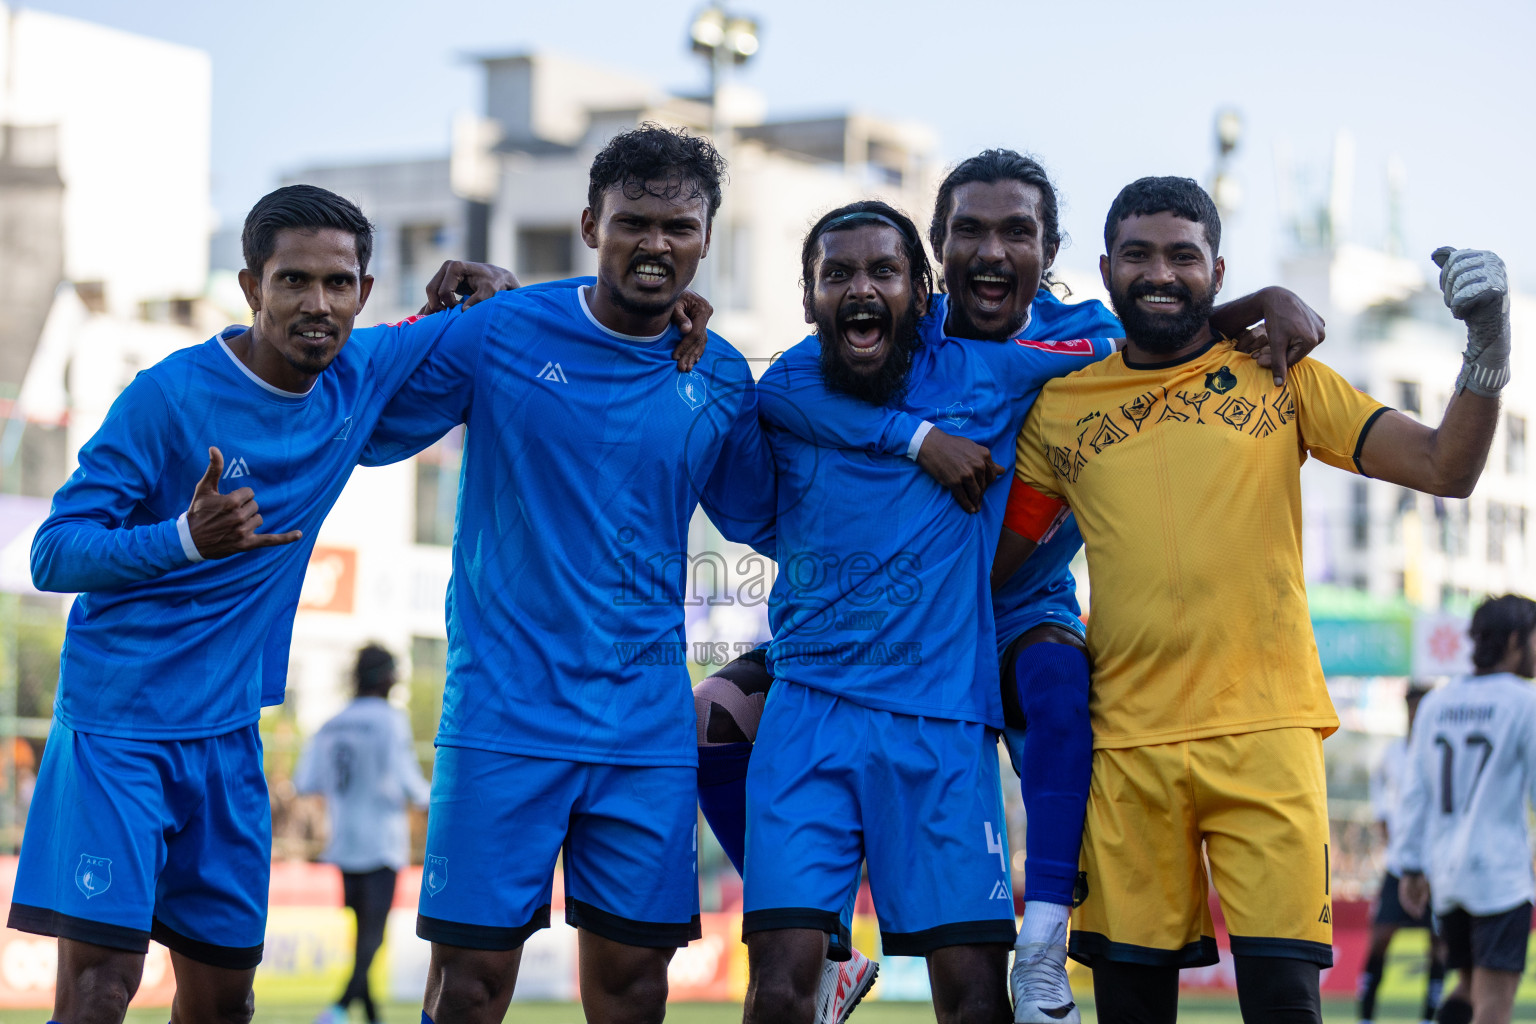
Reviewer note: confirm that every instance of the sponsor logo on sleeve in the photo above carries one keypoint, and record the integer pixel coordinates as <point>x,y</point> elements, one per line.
<point>1067,347</point>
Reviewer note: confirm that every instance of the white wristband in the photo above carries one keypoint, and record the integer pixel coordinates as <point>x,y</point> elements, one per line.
<point>917,439</point>
<point>184,532</point>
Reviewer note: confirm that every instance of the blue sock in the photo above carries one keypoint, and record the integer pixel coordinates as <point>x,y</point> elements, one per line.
<point>425,1019</point>
<point>1057,761</point>
<point>723,797</point>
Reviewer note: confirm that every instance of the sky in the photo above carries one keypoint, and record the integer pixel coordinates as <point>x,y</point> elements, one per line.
<point>1102,91</point>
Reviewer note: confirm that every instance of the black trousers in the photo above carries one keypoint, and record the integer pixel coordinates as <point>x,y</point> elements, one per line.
<point>368,894</point>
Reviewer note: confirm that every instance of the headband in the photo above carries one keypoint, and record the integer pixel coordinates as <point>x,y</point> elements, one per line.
<point>849,219</point>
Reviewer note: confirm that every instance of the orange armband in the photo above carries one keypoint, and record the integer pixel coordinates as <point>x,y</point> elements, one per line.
<point>1032,515</point>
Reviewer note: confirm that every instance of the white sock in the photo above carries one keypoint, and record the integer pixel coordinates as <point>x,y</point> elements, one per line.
<point>1044,922</point>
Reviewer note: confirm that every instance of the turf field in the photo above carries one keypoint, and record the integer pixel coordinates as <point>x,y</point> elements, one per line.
<point>1200,1009</point>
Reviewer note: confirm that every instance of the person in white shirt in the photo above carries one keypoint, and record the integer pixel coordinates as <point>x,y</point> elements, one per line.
<point>363,762</point>
<point>1462,815</point>
<point>1386,784</point>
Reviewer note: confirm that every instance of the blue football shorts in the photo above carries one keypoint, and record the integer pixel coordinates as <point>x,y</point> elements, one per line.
<point>132,840</point>
<point>833,783</point>
<point>498,821</point>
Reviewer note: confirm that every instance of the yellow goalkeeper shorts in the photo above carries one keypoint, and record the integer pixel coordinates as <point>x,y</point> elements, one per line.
<point>1254,807</point>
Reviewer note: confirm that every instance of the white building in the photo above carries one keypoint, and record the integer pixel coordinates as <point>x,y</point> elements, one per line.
<point>131,122</point>
<point>104,190</point>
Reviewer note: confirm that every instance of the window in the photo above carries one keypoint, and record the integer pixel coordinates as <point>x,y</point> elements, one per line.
<point>545,254</point>
<point>1360,516</point>
<point>422,251</point>
<point>736,266</point>
<point>1496,520</point>
<point>437,489</point>
<point>1408,397</point>
<point>1514,445</point>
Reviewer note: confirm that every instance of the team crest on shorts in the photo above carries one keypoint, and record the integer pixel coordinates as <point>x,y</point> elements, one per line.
<point>437,874</point>
<point>93,875</point>
<point>692,389</point>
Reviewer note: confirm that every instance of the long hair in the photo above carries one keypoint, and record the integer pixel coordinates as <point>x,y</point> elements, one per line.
<point>989,167</point>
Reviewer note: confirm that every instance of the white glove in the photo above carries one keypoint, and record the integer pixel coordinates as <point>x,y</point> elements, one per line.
<point>1476,291</point>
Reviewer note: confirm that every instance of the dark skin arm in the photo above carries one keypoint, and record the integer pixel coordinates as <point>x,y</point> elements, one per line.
<point>1293,328</point>
<point>476,282</point>
<point>1446,460</point>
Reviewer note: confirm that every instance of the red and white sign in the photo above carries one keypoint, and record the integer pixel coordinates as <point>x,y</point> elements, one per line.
<point>1441,646</point>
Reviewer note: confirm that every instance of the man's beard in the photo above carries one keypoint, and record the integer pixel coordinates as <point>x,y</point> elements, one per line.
<point>1162,333</point>
<point>882,386</point>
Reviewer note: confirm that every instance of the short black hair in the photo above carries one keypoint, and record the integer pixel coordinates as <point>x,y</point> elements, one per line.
<point>375,671</point>
<point>859,215</point>
<point>307,208</point>
<point>1494,622</point>
<point>658,161</point>
<point>1182,197</point>
<point>988,167</point>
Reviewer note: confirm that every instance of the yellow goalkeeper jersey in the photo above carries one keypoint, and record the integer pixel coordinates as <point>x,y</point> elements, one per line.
<point>1185,481</point>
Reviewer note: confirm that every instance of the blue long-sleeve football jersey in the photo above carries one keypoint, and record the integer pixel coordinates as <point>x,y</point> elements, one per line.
<point>159,645</point>
<point>878,565</point>
<point>585,455</point>
<point>1045,576</point>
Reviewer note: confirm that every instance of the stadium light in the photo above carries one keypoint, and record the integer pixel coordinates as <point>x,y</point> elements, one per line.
<point>717,34</point>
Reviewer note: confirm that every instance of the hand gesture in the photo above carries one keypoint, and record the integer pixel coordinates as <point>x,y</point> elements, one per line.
<point>1476,291</point>
<point>475,281</point>
<point>225,524</point>
<point>959,465</point>
<point>691,315</point>
<point>1292,329</point>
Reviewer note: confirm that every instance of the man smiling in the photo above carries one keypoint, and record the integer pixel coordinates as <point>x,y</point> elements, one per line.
<point>151,817</point>
<point>878,723</point>
<point>996,230</point>
<point>1180,459</point>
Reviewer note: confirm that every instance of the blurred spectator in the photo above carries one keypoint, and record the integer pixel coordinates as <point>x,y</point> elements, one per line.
<point>1386,785</point>
<point>363,762</point>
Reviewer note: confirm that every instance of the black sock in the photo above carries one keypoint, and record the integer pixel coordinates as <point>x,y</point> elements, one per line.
<point>1370,982</point>
<point>1455,1010</point>
<point>1278,990</point>
<point>1436,986</point>
<point>1135,993</point>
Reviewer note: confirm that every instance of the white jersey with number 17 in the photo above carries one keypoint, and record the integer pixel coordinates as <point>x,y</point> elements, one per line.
<point>1462,814</point>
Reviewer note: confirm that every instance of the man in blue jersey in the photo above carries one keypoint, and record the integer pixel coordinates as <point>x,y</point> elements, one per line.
<point>151,817</point>
<point>879,721</point>
<point>995,228</point>
<point>567,723</point>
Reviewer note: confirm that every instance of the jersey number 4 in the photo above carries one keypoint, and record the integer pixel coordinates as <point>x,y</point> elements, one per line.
<point>1448,768</point>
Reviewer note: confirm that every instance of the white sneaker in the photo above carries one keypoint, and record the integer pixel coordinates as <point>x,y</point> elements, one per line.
<point>1041,994</point>
<point>842,986</point>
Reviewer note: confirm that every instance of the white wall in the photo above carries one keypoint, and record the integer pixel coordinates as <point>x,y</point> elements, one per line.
<point>134,124</point>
